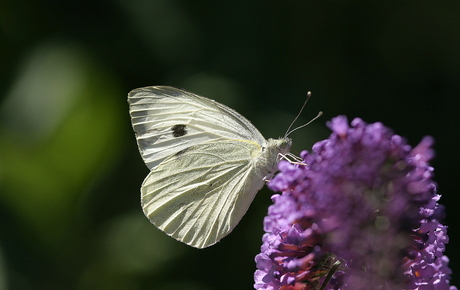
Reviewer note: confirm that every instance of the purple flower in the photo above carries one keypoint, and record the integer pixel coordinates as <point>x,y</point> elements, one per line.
<point>363,214</point>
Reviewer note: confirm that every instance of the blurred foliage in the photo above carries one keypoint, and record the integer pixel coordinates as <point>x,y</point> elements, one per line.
<point>70,172</point>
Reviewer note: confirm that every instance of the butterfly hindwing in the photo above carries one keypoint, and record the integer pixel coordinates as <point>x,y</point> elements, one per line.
<point>167,120</point>
<point>200,194</point>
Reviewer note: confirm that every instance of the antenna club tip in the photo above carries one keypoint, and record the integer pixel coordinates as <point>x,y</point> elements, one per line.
<point>320,113</point>
<point>309,94</point>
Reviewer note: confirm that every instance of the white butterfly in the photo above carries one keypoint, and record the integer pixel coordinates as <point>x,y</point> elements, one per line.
<point>207,163</point>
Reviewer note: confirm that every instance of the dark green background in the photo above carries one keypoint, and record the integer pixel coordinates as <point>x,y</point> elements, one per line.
<point>70,171</point>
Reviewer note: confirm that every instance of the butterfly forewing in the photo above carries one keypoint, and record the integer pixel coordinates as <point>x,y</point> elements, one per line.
<point>200,194</point>
<point>167,120</point>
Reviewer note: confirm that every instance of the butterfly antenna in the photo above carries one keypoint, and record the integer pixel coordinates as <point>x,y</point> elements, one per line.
<point>300,112</point>
<point>308,123</point>
<point>295,119</point>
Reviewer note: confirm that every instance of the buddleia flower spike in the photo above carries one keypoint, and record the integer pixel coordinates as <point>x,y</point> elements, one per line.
<point>362,214</point>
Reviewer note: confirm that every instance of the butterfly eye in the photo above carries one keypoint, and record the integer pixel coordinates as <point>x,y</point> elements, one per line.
<point>179,130</point>
<point>283,145</point>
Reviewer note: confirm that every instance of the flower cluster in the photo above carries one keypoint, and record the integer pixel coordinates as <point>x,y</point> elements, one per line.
<point>362,214</point>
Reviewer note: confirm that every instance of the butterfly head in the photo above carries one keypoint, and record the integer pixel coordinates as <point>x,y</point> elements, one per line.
<point>281,145</point>
<point>284,145</point>
<point>273,153</point>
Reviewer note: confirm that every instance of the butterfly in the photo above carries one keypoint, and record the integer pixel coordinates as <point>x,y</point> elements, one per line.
<point>206,161</point>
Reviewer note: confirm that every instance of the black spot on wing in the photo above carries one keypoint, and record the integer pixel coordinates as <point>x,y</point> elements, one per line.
<point>179,130</point>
